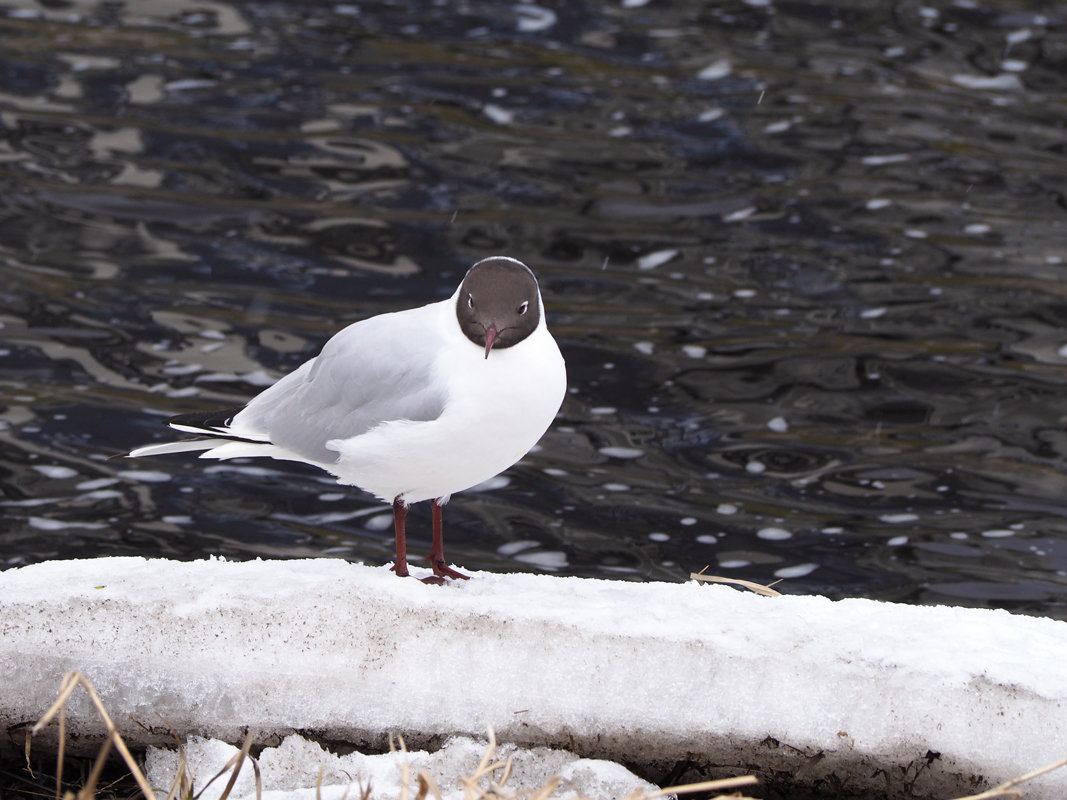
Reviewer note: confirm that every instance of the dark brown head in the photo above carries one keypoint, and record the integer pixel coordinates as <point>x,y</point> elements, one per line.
<point>497,304</point>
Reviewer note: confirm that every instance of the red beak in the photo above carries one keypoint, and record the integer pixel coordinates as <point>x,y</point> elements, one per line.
<point>490,338</point>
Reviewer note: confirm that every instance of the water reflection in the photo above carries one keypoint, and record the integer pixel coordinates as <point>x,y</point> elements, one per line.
<point>805,262</point>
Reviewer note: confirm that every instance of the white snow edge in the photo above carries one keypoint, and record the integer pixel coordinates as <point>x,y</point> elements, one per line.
<point>647,673</point>
<point>299,769</point>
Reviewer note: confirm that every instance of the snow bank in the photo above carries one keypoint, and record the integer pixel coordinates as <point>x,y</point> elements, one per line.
<point>293,770</point>
<point>926,699</point>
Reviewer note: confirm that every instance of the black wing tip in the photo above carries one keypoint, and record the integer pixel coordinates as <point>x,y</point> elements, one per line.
<point>209,421</point>
<point>117,456</point>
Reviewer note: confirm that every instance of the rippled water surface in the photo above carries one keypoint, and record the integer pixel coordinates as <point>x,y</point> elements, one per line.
<point>806,263</point>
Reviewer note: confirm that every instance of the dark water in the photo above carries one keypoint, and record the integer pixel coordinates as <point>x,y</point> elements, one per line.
<point>806,263</point>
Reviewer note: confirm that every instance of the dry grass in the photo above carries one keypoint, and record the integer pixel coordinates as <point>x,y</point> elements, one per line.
<point>71,681</point>
<point>752,586</point>
<point>182,787</point>
<point>487,782</point>
<point>1009,789</point>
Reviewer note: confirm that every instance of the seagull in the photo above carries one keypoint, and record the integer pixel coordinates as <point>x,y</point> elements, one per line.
<point>409,406</point>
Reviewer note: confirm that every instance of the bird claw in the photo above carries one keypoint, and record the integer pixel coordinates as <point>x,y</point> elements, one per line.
<point>441,573</point>
<point>442,570</point>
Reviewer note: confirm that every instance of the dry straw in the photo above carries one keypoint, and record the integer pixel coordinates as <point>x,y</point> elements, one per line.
<point>487,782</point>
<point>1009,789</point>
<point>752,586</point>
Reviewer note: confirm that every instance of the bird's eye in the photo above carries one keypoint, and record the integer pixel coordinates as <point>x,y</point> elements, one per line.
<point>522,307</point>
<point>470,300</point>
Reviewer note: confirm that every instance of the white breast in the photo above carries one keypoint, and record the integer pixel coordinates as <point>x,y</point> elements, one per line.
<point>497,409</point>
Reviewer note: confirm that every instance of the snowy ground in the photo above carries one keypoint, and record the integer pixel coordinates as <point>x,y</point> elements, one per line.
<point>291,770</point>
<point>924,699</point>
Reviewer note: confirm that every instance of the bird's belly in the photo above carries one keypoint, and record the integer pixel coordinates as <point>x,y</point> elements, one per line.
<point>491,421</point>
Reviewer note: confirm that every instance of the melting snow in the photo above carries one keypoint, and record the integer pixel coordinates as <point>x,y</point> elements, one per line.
<point>644,673</point>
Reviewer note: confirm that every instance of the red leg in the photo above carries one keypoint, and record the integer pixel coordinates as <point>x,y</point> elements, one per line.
<point>437,548</point>
<point>400,513</point>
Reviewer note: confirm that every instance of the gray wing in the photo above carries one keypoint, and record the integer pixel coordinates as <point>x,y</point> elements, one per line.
<point>373,371</point>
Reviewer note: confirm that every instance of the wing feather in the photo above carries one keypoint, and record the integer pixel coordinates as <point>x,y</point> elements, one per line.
<point>379,370</point>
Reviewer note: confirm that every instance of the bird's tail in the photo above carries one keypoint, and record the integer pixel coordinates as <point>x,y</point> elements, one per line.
<point>219,441</point>
<point>172,447</point>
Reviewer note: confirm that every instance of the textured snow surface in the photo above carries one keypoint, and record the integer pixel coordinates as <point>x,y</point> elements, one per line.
<point>297,765</point>
<point>642,673</point>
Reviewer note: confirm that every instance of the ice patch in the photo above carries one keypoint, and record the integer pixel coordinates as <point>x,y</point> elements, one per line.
<point>95,483</point>
<point>1004,82</point>
<point>740,214</point>
<point>1018,36</point>
<point>102,494</point>
<point>545,559</point>
<point>653,260</point>
<point>511,548</point>
<point>774,534</point>
<point>534,19</point>
<point>498,114</point>
<point>888,158</point>
<point>778,424</point>
<point>797,571</point>
<point>145,475</point>
<point>896,519</point>
<point>55,471</point>
<point>496,482</point>
<point>621,452</point>
<point>379,522</point>
<point>48,524</point>
<point>189,84</point>
<point>716,70</point>
<point>645,348</point>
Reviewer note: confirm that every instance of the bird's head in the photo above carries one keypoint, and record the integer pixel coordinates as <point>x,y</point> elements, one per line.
<point>498,304</point>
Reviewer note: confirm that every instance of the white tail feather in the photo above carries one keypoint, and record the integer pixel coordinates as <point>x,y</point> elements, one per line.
<point>243,434</point>
<point>174,447</point>
<point>237,449</point>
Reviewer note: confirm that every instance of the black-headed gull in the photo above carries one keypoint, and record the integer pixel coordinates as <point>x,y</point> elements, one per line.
<point>412,405</point>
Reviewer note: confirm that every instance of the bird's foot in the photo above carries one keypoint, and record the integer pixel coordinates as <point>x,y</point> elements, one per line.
<point>442,570</point>
<point>441,573</point>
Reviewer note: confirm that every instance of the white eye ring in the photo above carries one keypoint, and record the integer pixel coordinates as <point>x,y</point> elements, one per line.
<point>522,308</point>
<point>470,300</point>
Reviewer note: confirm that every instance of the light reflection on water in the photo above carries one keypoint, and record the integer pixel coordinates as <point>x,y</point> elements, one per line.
<point>805,263</point>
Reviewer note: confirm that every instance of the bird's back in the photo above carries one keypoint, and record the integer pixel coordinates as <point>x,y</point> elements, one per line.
<point>365,375</point>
